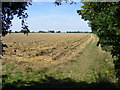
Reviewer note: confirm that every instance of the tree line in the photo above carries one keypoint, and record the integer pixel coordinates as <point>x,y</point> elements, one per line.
<point>50,31</point>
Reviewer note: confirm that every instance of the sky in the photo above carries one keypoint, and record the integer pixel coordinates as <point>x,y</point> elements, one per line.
<point>46,16</point>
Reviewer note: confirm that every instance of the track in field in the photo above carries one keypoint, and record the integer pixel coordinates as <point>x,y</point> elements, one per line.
<point>44,46</point>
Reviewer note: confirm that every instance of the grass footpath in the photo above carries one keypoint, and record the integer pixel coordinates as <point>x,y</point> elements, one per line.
<point>90,64</point>
<point>91,68</point>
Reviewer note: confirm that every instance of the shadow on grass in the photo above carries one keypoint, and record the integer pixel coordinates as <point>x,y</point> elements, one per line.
<point>51,82</point>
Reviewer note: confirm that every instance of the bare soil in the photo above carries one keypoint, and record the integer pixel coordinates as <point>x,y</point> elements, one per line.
<point>45,47</point>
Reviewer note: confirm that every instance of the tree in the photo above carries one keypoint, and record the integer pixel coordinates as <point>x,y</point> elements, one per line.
<point>16,32</point>
<point>41,32</point>
<point>51,31</point>
<point>105,22</point>
<point>58,31</point>
<point>59,2</point>
<point>9,10</point>
<point>10,31</point>
<point>22,31</point>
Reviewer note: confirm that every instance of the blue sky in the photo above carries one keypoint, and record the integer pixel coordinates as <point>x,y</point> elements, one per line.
<point>46,16</point>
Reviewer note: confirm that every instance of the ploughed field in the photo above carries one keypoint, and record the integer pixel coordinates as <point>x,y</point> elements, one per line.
<point>55,60</point>
<point>46,47</point>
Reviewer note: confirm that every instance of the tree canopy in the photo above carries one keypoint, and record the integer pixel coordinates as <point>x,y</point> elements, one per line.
<point>105,22</point>
<point>9,10</point>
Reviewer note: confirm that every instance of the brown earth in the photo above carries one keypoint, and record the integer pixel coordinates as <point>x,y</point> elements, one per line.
<point>44,47</point>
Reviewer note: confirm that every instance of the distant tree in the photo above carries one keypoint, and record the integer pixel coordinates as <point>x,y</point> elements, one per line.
<point>51,31</point>
<point>41,32</point>
<point>22,31</point>
<point>58,31</point>
<point>10,31</point>
<point>68,32</point>
<point>16,32</point>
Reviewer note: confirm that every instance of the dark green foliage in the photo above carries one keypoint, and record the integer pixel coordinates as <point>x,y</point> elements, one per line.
<point>78,32</point>
<point>41,32</point>
<point>59,2</point>
<point>58,31</point>
<point>104,20</point>
<point>16,32</point>
<point>10,31</point>
<point>22,31</point>
<point>51,31</point>
<point>9,10</point>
